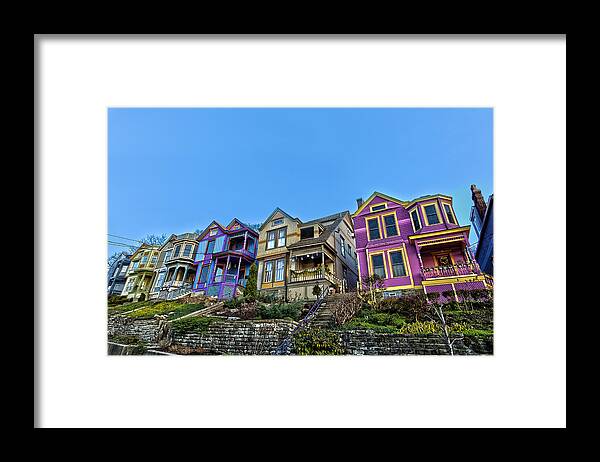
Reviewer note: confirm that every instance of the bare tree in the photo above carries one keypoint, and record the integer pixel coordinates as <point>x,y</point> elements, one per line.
<point>372,288</point>
<point>346,308</point>
<point>435,313</point>
<point>154,239</point>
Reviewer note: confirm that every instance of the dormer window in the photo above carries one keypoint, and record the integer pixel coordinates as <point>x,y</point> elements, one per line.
<point>449,214</point>
<point>277,222</point>
<point>414,216</point>
<point>431,214</point>
<point>378,207</point>
<point>373,227</point>
<point>307,233</point>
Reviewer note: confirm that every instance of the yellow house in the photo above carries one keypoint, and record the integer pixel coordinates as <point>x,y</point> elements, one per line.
<point>295,256</point>
<point>140,273</point>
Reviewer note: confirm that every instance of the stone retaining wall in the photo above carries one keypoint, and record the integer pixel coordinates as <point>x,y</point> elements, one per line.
<point>147,330</point>
<point>369,342</point>
<point>237,337</point>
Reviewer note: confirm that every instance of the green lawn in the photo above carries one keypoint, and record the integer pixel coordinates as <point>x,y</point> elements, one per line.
<point>172,309</point>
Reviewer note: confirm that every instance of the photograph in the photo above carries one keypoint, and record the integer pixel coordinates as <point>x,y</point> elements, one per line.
<point>300,231</point>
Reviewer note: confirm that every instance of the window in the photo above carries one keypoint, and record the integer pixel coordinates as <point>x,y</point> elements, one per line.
<point>378,265</point>
<point>449,214</point>
<point>154,259</point>
<point>135,264</point>
<point>414,216</point>
<point>279,269</point>
<point>270,240</point>
<point>268,271</point>
<point>277,222</point>
<point>397,263</point>
<point>144,259</point>
<point>431,214</point>
<point>281,237</point>
<point>213,231</point>
<point>378,207</point>
<point>211,247</point>
<point>250,245</point>
<point>123,269</point>
<point>373,226</point>
<point>203,274</point>
<point>177,250</point>
<point>349,250</point>
<point>159,280</point>
<point>307,233</point>
<point>342,245</point>
<point>187,251</point>
<point>389,222</point>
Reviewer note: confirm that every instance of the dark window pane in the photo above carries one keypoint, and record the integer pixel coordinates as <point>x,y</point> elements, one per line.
<point>390,225</point>
<point>398,268</point>
<point>307,233</point>
<point>449,214</point>
<point>432,217</point>
<point>378,207</point>
<point>373,225</point>
<point>378,268</point>
<point>415,219</point>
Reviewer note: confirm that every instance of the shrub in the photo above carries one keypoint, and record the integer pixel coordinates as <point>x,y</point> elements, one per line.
<point>316,291</point>
<point>251,291</point>
<point>280,311</point>
<point>195,324</point>
<point>317,342</point>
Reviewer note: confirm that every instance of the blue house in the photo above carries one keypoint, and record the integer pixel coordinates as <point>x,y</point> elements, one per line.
<point>117,274</point>
<point>482,217</point>
<point>223,259</point>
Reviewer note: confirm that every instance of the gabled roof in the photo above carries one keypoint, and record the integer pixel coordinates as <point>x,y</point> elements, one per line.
<point>212,223</point>
<point>242,225</point>
<point>405,204</point>
<point>277,209</point>
<point>328,229</point>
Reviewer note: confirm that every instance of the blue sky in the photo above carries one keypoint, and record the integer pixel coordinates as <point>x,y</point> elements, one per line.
<point>175,170</point>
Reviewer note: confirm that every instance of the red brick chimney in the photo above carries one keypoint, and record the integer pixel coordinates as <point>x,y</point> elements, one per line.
<point>478,201</point>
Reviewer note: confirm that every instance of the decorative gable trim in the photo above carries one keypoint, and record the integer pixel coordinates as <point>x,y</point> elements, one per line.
<point>380,195</point>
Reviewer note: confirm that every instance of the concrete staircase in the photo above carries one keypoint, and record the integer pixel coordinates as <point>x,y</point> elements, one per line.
<point>324,317</point>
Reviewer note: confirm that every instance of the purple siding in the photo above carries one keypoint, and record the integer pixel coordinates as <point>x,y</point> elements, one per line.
<point>420,251</point>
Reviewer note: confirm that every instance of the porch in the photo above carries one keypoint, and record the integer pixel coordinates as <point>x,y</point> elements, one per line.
<point>446,259</point>
<point>313,266</point>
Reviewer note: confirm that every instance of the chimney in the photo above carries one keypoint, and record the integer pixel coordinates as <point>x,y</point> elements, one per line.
<point>478,201</point>
<point>359,202</point>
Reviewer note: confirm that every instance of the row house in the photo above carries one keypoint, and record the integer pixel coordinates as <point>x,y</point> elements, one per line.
<point>294,256</point>
<point>140,272</point>
<point>117,274</point>
<point>482,217</point>
<point>223,259</point>
<point>414,244</point>
<point>175,269</point>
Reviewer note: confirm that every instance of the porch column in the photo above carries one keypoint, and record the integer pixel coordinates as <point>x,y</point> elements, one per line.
<point>245,238</point>
<point>419,256</point>
<point>226,269</point>
<point>185,275</point>
<point>238,271</point>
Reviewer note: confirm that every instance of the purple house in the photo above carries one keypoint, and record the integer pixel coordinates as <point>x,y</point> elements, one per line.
<point>224,257</point>
<point>415,244</point>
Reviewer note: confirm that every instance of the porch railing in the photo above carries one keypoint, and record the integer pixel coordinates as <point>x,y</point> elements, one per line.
<point>460,269</point>
<point>313,275</point>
